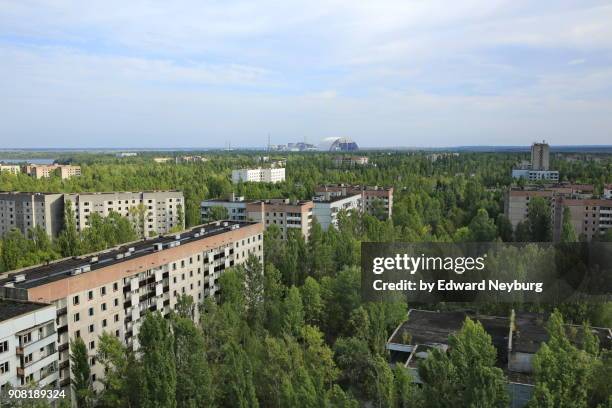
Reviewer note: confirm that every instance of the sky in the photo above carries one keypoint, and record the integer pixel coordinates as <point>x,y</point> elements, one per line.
<point>383,73</point>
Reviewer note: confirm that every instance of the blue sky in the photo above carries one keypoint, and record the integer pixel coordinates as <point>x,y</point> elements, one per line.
<point>385,72</point>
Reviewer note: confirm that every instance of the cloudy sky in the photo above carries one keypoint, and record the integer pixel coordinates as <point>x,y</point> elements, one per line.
<point>385,73</point>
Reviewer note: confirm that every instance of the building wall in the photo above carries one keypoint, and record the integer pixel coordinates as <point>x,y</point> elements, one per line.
<point>23,211</point>
<point>115,298</point>
<point>161,207</point>
<point>589,217</point>
<point>13,169</point>
<point>259,175</point>
<point>23,337</point>
<point>540,153</point>
<point>326,212</point>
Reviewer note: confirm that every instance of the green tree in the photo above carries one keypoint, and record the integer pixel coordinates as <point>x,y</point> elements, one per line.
<point>237,387</point>
<point>193,378</point>
<point>293,312</point>
<point>313,303</point>
<point>562,371</point>
<point>217,213</point>
<point>68,239</point>
<point>568,233</point>
<point>81,373</point>
<point>539,217</point>
<point>482,227</point>
<point>254,290</point>
<point>157,356</point>
<point>122,374</point>
<point>466,375</point>
<point>504,228</point>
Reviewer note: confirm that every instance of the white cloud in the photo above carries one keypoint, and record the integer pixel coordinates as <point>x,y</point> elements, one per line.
<point>432,72</point>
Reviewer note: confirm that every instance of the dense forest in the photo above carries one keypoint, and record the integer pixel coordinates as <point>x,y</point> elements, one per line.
<point>299,334</point>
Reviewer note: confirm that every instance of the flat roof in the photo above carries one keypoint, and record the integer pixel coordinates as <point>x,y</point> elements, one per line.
<point>333,199</point>
<point>61,269</point>
<point>91,192</point>
<point>13,308</point>
<point>530,332</point>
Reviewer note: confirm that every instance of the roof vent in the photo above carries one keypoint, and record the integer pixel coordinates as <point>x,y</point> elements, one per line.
<point>202,231</point>
<point>177,236</point>
<point>86,268</point>
<point>119,256</point>
<point>19,278</point>
<point>93,259</point>
<point>76,271</point>
<point>158,247</point>
<point>131,249</point>
<point>9,285</point>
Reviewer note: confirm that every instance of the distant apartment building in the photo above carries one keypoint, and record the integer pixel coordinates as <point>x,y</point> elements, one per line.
<point>190,159</point>
<point>161,208</point>
<point>536,175</point>
<point>111,291</point>
<point>126,154</point>
<point>47,170</point>
<point>350,161</point>
<point>538,169</point>
<point>328,206</point>
<point>590,216</point>
<point>161,160</point>
<point>376,200</point>
<point>28,344</point>
<point>540,156</point>
<point>10,168</point>
<point>284,213</point>
<point>22,211</point>
<point>259,175</point>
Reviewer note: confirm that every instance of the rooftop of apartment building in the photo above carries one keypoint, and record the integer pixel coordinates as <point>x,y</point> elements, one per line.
<point>333,199</point>
<point>352,186</point>
<point>272,201</point>
<point>90,192</point>
<point>42,274</point>
<point>13,308</point>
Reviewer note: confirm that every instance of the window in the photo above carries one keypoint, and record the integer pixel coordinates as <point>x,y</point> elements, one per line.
<point>77,317</point>
<point>3,346</point>
<point>77,334</point>
<point>91,328</point>
<point>27,359</point>
<point>92,345</point>
<point>116,302</point>
<point>91,311</point>
<point>115,287</point>
<point>117,333</point>
<point>116,317</point>
<point>75,300</point>
<point>104,323</point>
<point>103,290</point>
<point>90,295</point>
<point>103,307</point>
<point>4,367</point>
<point>92,361</point>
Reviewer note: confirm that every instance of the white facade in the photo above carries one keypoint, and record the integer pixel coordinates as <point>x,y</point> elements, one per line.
<point>10,168</point>
<point>259,175</point>
<point>28,350</point>
<point>535,175</point>
<point>326,211</point>
<point>236,208</point>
